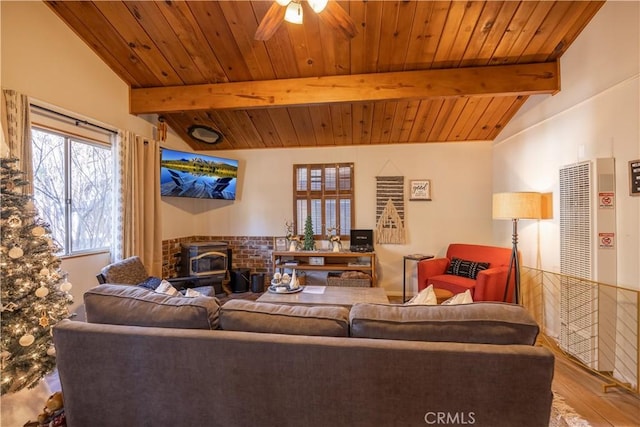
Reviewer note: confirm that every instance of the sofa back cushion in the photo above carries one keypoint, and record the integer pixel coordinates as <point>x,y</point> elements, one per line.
<point>483,323</point>
<point>250,316</point>
<point>495,256</point>
<point>138,306</point>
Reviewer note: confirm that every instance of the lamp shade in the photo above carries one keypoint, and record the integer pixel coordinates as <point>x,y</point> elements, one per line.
<point>547,206</point>
<point>520,205</point>
<point>293,13</point>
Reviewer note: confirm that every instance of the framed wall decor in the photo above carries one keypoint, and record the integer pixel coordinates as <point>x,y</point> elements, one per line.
<point>420,189</point>
<point>280,244</point>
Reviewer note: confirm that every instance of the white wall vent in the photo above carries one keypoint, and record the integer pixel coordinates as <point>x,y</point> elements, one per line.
<point>577,299</point>
<point>588,251</point>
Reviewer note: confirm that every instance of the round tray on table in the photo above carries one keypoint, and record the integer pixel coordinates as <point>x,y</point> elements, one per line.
<point>275,286</point>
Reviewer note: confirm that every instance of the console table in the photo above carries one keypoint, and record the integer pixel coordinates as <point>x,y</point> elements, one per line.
<point>331,261</point>
<point>412,257</point>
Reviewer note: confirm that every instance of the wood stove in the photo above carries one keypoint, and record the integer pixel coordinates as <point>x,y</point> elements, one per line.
<point>205,259</point>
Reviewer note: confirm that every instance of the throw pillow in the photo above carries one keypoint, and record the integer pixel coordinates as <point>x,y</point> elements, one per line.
<point>190,293</point>
<point>427,296</point>
<point>465,268</point>
<point>461,298</point>
<point>167,289</point>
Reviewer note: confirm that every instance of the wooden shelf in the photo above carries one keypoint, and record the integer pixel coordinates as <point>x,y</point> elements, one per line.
<point>333,261</point>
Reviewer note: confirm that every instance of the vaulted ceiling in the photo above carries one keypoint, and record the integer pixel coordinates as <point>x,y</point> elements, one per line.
<point>415,71</point>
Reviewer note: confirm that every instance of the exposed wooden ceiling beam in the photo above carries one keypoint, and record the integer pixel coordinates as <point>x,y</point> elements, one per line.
<point>502,80</point>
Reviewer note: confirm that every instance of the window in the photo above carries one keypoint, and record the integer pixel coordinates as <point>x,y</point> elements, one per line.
<point>73,183</point>
<point>324,192</point>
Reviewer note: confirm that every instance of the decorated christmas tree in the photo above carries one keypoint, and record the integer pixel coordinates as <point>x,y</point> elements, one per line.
<point>33,294</point>
<point>309,244</point>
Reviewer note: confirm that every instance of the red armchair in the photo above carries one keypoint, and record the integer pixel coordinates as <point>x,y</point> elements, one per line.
<point>489,284</point>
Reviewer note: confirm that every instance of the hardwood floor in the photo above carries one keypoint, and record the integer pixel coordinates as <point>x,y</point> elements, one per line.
<point>584,392</point>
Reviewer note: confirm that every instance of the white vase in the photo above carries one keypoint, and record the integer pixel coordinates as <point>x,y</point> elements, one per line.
<point>293,247</point>
<point>336,246</point>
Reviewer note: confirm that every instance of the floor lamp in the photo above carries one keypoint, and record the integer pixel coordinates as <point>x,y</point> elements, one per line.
<point>516,206</point>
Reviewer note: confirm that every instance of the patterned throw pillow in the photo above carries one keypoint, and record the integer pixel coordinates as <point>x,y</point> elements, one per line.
<point>464,268</point>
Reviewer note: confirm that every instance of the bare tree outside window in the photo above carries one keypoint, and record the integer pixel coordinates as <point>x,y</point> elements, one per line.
<point>73,189</point>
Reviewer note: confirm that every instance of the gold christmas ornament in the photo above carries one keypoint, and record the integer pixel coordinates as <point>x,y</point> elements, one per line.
<point>15,252</point>
<point>14,221</point>
<point>38,231</point>
<point>44,272</point>
<point>51,351</point>
<point>66,286</point>
<point>26,340</point>
<point>42,291</point>
<point>9,306</point>
<point>44,320</point>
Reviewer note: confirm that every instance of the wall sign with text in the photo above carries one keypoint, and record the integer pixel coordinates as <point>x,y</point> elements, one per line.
<point>420,189</point>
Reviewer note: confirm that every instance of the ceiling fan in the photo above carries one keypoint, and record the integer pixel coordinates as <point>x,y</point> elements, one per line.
<point>329,12</point>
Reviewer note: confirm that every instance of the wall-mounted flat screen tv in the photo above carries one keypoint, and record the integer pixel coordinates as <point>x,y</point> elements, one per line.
<point>197,176</point>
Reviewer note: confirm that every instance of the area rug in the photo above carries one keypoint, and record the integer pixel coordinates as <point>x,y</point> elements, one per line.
<point>563,415</point>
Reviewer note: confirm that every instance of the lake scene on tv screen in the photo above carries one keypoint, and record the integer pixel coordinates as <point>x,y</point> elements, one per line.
<point>198,176</point>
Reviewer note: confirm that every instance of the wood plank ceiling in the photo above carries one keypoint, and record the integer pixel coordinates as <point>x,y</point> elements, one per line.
<point>416,72</point>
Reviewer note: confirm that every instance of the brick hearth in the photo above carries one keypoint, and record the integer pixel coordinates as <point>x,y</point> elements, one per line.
<point>249,252</point>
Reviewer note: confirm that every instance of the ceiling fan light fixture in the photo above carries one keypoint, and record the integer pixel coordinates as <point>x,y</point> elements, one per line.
<point>318,5</point>
<point>283,2</point>
<point>204,134</point>
<point>293,13</point>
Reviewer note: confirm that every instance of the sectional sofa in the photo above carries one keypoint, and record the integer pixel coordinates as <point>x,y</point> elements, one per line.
<point>146,359</point>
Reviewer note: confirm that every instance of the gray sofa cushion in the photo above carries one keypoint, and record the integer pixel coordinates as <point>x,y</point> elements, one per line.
<point>482,322</point>
<point>250,316</point>
<point>137,306</point>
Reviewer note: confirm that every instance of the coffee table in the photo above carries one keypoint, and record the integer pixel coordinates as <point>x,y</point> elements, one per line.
<point>332,295</point>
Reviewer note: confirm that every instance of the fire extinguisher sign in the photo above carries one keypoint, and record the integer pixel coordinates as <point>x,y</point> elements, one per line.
<point>606,240</point>
<point>606,200</point>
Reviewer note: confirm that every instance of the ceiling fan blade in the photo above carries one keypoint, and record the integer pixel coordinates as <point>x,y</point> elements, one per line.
<point>271,22</point>
<point>339,19</point>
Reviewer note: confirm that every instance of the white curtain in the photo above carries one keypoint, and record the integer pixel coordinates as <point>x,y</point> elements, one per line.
<point>16,126</point>
<point>138,222</point>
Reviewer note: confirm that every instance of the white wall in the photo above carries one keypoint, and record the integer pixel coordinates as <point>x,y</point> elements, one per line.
<point>595,115</point>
